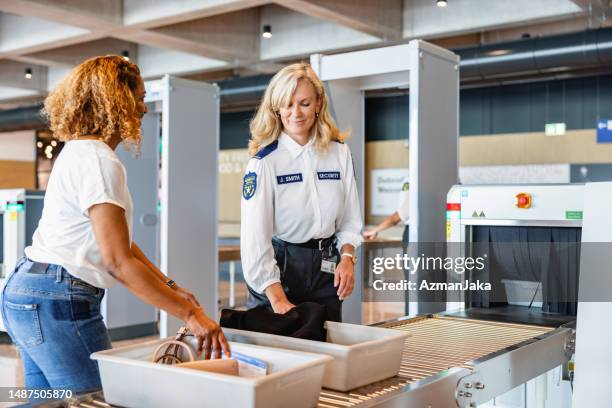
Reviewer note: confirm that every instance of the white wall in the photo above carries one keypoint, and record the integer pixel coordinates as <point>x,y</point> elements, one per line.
<point>515,174</point>
<point>55,75</point>
<point>20,32</point>
<point>295,34</point>
<point>140,11</point>
<point>155,62</point>
<point>18,146</point>
<point>422,18</point>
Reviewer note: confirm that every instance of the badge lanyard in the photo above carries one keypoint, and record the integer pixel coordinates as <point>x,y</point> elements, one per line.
<point>329,261</point>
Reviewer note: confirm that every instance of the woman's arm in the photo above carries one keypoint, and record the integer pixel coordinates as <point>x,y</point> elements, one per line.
<point>278,299</point>
<point>344,276</point>
<point>111,231</point>
<point>137,252</point>
<point>388,222</point>
<point>256,228</point>
<point>160,275</point>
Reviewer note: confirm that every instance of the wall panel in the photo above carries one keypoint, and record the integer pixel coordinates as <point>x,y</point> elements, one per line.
<point>17,174</point>
<point>17,159</point>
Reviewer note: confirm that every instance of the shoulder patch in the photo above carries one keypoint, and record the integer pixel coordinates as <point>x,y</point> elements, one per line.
<point>249,185</point>
<point>266,150</point>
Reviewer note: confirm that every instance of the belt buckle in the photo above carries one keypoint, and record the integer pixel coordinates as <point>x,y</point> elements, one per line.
<point>321,245</point>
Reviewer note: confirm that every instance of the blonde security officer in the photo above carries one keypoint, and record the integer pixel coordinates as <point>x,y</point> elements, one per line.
<point>301,220</point>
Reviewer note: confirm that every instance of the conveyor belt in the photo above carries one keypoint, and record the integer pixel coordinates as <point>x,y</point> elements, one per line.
<point>437,344</point>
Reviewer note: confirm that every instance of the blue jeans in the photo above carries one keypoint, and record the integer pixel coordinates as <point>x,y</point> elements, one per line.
<point>55,321</point>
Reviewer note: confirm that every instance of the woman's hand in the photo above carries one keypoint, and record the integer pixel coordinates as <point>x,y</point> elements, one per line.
<point>282,306</point>
<point>209,334</point>
<point>344,278</point>
<point>370,235</point>
<point>187,295</point>
<point>278,299</point>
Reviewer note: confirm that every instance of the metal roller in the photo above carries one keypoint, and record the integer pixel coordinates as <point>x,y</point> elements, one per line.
<point>442,351</point>
<point>437,343</point>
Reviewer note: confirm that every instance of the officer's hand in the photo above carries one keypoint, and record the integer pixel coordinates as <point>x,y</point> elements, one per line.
<point>209,334</point>
<point>344,278</point>
<point>370,235</point>
<point>282,306</point>
<point>278,299</point>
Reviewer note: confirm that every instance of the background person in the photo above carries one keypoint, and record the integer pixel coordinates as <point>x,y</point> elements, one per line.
<point>401,214</point>
<point>51,303</point>
<point>300,215</point>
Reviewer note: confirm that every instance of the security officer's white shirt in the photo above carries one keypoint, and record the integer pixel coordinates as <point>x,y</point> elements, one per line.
<point>403,210</point>
<point>295,193</point>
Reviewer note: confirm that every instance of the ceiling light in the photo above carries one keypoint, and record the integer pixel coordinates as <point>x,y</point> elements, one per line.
<point>28,73</point>
<point>267,31</point>
<point>441,3</point>
<point>125,54</point>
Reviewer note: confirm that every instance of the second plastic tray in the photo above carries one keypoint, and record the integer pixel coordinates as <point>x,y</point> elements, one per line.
<point>362,354</point>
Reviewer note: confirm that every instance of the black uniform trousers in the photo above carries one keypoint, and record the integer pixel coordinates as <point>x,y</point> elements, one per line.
<point>302,278</point>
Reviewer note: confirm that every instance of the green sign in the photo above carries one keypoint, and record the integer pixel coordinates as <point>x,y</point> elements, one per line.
<point>573,215</point>
<point>554,129</point>
<point>14,207</point>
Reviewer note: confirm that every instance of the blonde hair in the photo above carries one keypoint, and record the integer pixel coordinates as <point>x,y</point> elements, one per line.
<point>96,98</point>
<point>266,126</point>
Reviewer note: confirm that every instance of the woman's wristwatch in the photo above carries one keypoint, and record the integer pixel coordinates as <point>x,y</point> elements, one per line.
<point>349,255</point>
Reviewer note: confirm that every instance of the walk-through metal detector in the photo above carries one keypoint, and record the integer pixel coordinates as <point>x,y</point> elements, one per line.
<point>593,332</point>
<point>432,75</point>
<point>173,184</point>
<point>20,210</point>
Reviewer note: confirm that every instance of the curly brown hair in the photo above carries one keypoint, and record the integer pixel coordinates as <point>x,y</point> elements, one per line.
<point>96,98</point>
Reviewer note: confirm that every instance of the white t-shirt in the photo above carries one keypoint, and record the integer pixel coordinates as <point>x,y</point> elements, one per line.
<point>403,209</point>
<point>86,172</point>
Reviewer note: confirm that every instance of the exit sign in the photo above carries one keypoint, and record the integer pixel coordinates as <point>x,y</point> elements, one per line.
<point>554,129</point>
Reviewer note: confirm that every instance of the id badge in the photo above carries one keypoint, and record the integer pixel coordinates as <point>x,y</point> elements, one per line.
<point>328,265</point>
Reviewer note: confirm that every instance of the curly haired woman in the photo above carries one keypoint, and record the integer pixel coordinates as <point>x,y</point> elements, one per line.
<point>51,303</point>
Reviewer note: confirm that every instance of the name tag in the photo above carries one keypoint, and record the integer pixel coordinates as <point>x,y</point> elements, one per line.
<point>328,175</point>
<point>289,178</point>
<point>328,266</point>
<point>329,262</point>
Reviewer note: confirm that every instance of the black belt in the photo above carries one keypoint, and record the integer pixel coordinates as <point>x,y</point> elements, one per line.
<point>320,244</point>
